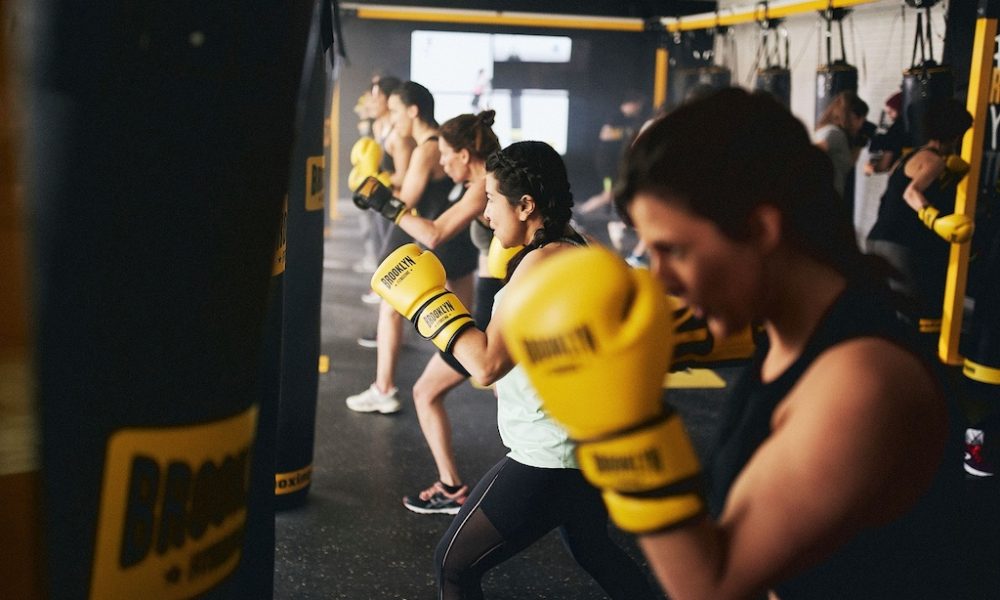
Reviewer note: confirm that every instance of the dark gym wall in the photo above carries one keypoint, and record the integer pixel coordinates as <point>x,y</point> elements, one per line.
<point>603,64</point>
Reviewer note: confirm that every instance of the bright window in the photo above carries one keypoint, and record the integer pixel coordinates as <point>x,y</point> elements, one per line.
<point>458,69</point>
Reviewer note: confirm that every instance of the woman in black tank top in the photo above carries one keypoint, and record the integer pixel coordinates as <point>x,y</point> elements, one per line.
<point>424,187</point>
<point>835,471</point>
<point>918,254</point>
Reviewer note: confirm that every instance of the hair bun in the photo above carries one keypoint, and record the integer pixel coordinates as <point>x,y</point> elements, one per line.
<point>486,117</point>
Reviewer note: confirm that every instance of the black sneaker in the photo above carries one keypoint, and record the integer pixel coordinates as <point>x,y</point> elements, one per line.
<point>436,499</point>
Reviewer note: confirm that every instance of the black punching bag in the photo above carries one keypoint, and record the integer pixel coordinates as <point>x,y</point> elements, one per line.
<point>160,139</point>
<point>831,79</point>
<point>303,284</point>
<point>925,82</point>
<point>922,86</point>
<point>774,77</point>
<point>715,76</point>
<point>836,75</point>
<point>981,341</point>
<point>776,81</point>
<point>682,82</point>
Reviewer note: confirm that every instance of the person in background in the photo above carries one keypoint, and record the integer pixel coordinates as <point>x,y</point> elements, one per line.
<point>426,187</point>
<point>888,144</point>
<point>837,132</point>
<point>396,151</point>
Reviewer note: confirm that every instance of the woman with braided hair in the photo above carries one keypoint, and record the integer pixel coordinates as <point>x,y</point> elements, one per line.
<point>537,487</point>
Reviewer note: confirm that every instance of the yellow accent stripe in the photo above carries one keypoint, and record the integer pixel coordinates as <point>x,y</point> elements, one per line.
<point>324,363</point>
<point>693,379</point>
<point>489,17</point>
<point>980,77</point>
<point>981,373</point>
<point>751,14</point>
<point>660,77</point>
<point>929,325</point>
<point>646,515</point>
<point>293,481</point>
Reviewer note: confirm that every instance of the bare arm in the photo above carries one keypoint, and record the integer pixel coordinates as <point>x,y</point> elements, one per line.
<point>458,216</point>
<point>418,173</point>
<point>484,354</point>
<point>923,169</point>
<point>884,162</point>
<point>806,492</point>
<point>610,133</point>
<point>400,149</point>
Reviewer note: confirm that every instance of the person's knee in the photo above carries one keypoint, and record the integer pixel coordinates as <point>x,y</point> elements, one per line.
<point>387,312</point>
<point>446,570</point>
<point>425,394</point>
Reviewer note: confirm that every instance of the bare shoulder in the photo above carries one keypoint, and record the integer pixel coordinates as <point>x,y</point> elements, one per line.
<point>924,159</point>
<point>882,401</point>
<point>874,366</point>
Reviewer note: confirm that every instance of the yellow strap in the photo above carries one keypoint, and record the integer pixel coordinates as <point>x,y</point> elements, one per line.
<point>649,515</point>
<point>645,459</point>
<point>982,373</point>
<point>929,325</point>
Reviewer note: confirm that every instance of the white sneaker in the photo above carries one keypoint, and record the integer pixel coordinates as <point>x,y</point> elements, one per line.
<point>371,298</point>
<point>372,400</point>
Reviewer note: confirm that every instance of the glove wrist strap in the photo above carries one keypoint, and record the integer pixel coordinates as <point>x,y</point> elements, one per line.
<point>656,455</point>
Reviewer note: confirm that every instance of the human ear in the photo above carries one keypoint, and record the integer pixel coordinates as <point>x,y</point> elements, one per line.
<point>766,227</point>
<point>527,207</point>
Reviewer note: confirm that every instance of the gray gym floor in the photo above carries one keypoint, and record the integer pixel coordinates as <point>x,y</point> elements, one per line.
<point>354,540</point>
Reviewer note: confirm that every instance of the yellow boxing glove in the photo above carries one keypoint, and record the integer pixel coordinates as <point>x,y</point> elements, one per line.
<point>954,228</point>
<point>594,338</point>
<point>498,258</point>
<point>366,158</point>
<point>695,346</point>
<point>412,282</point>
<point>955,169</point>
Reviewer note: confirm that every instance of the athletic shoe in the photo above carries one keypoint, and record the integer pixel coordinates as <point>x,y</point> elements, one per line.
<point>437,500</point>
<point>371,298</point>
<point>976,463</point>
<point>368,341</point>
<point>372,400</point>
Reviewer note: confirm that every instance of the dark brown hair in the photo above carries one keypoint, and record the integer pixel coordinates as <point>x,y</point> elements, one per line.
<point>473,133</point>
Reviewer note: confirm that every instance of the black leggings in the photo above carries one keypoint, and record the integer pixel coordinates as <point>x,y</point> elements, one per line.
<point>512,507</point>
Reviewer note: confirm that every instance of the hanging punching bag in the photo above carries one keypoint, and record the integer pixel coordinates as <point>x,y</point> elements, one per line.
<point>981,344</point>
<point>303,285</point>
<point>161,134</point>
<point>774,77</point>
<point>716,76</point>
<point>776,81</point>
<point>831,79</point>
<point>682,82</point>
<point>836,75</point>
<point>923,85</point>
<point>925,82</point>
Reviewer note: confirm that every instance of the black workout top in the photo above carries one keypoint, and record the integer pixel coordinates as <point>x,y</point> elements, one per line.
<point>910,558</point>
<point>434,201</point>
<point>386,163</point>
<point>897,222</point>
